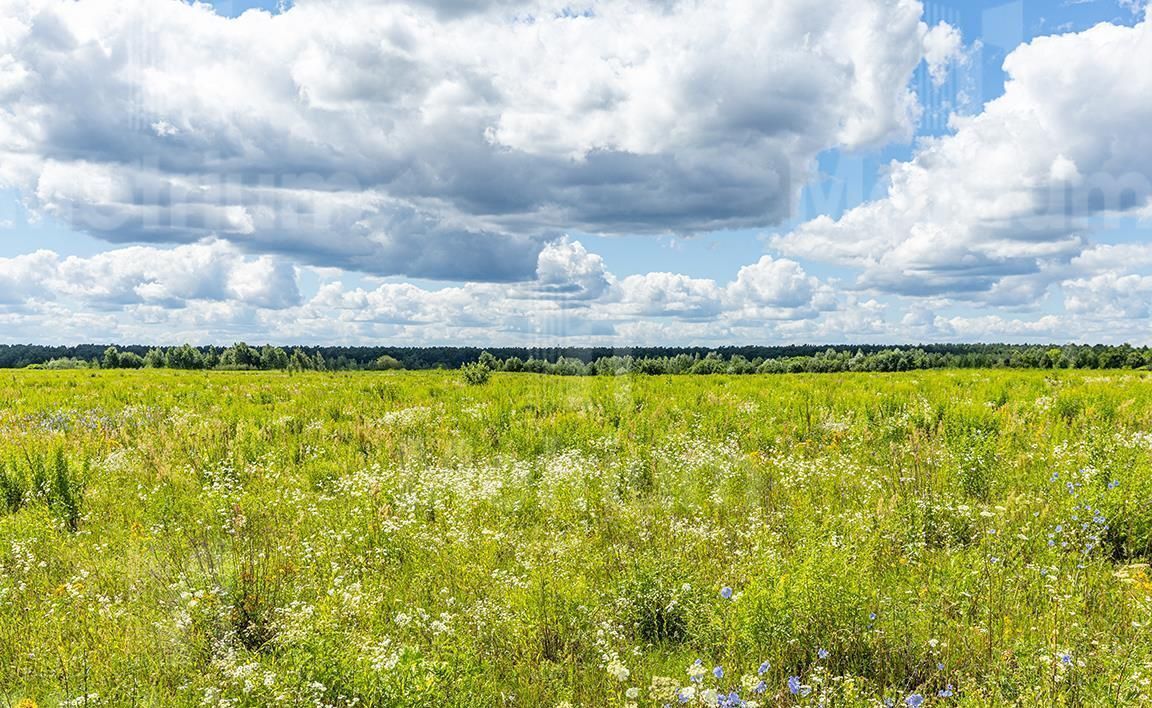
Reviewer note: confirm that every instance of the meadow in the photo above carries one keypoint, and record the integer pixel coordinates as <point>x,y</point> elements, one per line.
<point>967,538</point>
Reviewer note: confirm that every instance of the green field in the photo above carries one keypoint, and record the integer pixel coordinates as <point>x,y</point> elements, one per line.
<point>405,539</point>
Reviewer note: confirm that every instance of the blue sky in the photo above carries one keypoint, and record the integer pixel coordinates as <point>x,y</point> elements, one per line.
<point>504,172</point>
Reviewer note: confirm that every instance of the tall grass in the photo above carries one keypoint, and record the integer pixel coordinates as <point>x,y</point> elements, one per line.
<point>406,539</point>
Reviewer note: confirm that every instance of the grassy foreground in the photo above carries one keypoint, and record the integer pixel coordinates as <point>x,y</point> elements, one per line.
<point>403,539</point>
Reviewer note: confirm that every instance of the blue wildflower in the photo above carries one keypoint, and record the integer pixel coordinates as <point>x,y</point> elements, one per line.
<point>763,668</point>
<point>726,592</point>
<point>822,653</point>
<point>760,687</point>
<point>794,685</point>
<point>732,700</point>
<point>945,692</point>
<point>718,672</point>
<point>914,700</point>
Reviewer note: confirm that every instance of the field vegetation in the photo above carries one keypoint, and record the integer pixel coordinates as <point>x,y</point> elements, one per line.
<point>396,538</point>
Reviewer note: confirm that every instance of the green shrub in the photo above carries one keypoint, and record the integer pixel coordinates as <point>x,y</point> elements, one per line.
<point>475,373</point>
<point>66,493</point>
<point>13,489</point>
<point>658,606</point>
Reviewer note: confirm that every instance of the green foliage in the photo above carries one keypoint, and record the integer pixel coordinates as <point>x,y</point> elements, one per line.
<point>581,361</point>
<point>658,606</point>
<point>13,489</point>
<point>65,493</point>
<point>476,373</point>
<point>387,363</point>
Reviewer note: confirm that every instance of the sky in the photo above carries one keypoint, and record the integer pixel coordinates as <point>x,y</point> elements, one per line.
<point>610,173</point>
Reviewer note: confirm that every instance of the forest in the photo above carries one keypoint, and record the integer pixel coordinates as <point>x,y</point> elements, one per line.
<point>585,361</point>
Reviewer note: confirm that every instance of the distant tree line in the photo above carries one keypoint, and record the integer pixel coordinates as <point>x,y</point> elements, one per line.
<point>586,361</point>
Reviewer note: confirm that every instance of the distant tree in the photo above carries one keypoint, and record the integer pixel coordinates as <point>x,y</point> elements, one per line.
<point>155,359</point>
<point>111,359</point>
<point>273,358</point>
<point>131,360</point>
<point>487,359</point>
<point>300,361</point>
<point>240,356</point>
<point>386,363</point>
<point>185,357</point>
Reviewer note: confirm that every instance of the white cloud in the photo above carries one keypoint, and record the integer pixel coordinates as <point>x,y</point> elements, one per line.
<point>565,269</point>
<point>141,275</point>
<point>1110,296</point>
<point>440,138</point>
<point>213,291</point>
<point>942,46</point>
<point>671,295</point>
<point>997,210</point>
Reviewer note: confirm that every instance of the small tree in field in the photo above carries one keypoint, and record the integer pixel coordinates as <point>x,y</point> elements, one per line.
<point>475,373</point>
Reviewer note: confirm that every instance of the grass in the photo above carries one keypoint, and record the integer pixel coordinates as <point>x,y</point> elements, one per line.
<point>407,539</point>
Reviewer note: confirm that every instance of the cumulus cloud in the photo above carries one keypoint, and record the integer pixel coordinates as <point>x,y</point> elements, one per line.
<point>998,210</point>
<point>671,295</point>
<point>573,295</point>
<point>438,138</point>
<point>943,45</point>
<point>566,270</point>
<point>142,275</point>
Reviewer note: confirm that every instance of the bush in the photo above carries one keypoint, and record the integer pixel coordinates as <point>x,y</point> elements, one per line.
<point>387,363</point>
<point>66,493</point>
<point>13,489</point>
<point>658,606</point>
<point>476,374</point>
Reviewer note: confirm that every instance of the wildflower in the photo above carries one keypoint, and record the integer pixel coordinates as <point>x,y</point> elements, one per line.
<point>822,653</point>
<point>718,672</point>
<point>1113,484</point>
<point>945,692</point>
<point>732,700</point>
<point>872,616</point>
<point>710,697</point>
<point>632,693</point>
<point>939,666</point>
<point>696,671</point>
<point>1066,659</point>
<point>760,687</point>
<point>618,670</point>
<point>663,689</point>
<point>726,592</point>
<point>763,668</point>
<point>794,685</point>
<point>914,700</point>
